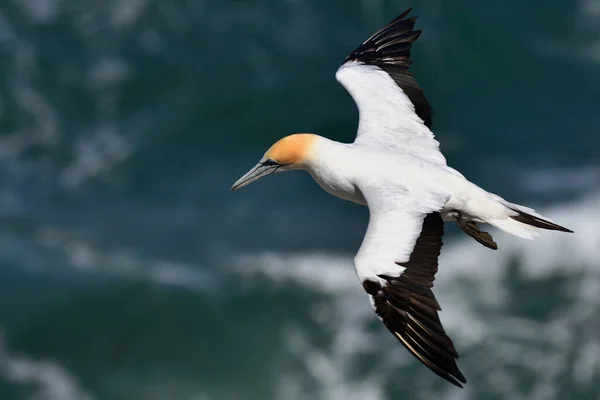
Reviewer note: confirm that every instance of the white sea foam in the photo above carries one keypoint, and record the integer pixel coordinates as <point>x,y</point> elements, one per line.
<point>561,180</point>
<point>86,255</point>
<point>41,11</point>
<point>101,144</point>
<point>96,152</point>
<point>124,14</point>
<point>588,18</point>
<point>471,278</point>
<point>589,10</point>
<point>50,380</point>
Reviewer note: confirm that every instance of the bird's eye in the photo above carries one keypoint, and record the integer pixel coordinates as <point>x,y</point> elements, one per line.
<point>270,162</point>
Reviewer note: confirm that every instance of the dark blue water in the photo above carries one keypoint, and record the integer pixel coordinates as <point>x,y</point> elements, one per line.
<point>129,271</point>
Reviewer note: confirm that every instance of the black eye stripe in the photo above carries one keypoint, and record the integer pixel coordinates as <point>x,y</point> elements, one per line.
<point>270,163</point>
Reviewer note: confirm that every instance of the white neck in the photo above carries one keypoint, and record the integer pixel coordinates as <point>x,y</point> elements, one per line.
<point>333,166</point>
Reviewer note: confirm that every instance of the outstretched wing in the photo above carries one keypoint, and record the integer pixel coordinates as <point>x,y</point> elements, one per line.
<point>393,110</point>
<point>397,263</point>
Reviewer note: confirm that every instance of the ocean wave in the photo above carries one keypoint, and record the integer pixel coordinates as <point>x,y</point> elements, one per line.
<point>50,379</point>
<point>86,256</point>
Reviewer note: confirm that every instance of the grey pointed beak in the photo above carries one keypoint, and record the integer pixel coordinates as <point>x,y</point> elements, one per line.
<point>254,174</point>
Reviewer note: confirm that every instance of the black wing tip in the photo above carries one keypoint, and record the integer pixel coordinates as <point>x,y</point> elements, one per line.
<point>390,49</point>
<point>403,15</point>
<point>457,379</point>
<point>399,18</point>
<point>383,35</point>
<point>450,373</point>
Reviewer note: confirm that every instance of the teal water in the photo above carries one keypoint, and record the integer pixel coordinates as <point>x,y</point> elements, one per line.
<point>129,271</point>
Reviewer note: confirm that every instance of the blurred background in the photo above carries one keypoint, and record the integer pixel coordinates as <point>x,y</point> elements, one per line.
<point>129,271</point>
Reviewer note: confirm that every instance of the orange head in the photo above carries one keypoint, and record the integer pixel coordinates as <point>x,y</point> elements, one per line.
<point>291,152</point>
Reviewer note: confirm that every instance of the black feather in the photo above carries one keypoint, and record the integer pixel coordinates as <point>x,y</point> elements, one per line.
<point>409,308</point>
<point>389,49</point>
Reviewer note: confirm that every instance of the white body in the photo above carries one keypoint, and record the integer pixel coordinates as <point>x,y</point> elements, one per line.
<point>343,169</point>
<point>396,186</point>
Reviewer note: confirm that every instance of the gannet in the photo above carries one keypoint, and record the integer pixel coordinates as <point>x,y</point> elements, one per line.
<point>396,169</point>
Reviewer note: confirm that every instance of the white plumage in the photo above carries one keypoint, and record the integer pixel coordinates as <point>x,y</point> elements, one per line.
<point>387,116</point>
<point>396,168</point>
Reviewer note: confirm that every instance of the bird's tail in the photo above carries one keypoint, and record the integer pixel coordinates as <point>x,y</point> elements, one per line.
<point>523,221</point>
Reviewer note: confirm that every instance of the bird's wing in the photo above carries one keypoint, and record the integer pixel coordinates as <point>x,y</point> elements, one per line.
<point>393,110</point>
<point>396,263</point>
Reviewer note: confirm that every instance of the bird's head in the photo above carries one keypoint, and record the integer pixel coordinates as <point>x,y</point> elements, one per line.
<point>291,152</point>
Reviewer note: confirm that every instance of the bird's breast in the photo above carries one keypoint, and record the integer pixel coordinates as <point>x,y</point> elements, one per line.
<point>339,186</point>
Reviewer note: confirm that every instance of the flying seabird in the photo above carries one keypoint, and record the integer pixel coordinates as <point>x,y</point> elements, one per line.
<point>395,167</point>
